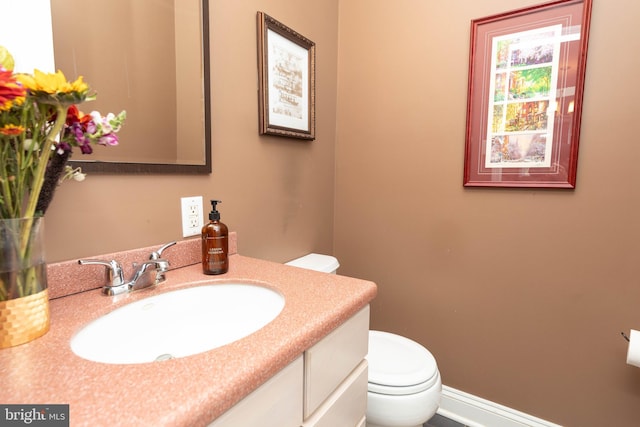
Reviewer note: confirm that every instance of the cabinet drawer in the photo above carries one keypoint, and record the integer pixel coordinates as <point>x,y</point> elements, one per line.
<point>276,403</point>
<point>331,360</point>
<point>347,405</point>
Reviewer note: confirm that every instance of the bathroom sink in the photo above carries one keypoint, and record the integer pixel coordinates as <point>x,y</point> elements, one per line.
<point>178,323</point>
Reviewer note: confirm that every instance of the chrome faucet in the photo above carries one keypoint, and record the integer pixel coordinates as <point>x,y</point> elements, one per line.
<point>149,273</point>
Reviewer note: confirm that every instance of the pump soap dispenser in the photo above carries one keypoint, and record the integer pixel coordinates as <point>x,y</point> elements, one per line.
<point>215,243</point>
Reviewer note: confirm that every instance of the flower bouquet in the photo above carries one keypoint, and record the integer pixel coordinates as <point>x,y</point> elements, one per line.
<point>40,124</point>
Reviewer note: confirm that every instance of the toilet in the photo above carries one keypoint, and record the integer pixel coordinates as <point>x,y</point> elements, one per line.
<point>404,381</point>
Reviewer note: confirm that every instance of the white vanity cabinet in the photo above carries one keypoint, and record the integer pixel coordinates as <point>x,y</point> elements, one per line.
<point>276,403</point>
<point>325,387</point>
<point>335,375</point>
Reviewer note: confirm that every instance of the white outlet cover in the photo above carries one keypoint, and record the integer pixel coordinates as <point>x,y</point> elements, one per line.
<point>192,216</point>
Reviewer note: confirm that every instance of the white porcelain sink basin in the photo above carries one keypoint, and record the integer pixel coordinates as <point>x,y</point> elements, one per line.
<point>178,323</point>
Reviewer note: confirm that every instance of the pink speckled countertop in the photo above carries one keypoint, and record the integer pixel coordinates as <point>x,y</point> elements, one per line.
<point>190,391</point>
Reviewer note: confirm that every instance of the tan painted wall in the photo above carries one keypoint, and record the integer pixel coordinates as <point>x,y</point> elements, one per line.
<point>277,193</point>
<point>520,294</point>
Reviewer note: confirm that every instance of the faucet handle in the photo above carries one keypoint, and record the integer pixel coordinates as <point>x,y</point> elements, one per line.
<point>162,265</point>
<point>115,275</point>
<point>158,254</point>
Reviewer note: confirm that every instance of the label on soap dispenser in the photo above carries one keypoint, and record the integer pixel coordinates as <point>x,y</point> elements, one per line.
<point>215,254</point>
<point>215,245</point>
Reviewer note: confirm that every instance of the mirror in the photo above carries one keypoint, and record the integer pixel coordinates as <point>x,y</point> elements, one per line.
<point>150,58</point>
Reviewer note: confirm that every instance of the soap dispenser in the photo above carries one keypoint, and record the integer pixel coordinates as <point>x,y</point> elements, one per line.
<point>215,243</point>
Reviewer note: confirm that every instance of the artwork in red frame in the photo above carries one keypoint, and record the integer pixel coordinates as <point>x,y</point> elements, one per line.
<point>526,83</point>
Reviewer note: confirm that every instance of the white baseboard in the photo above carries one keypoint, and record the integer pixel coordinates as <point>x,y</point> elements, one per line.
<point>474,411</point>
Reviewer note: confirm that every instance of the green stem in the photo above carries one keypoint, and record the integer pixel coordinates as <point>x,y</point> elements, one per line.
<point>6,187</point>
<point>25,279</point>
<point>61,118</point>
<point>21,274</point>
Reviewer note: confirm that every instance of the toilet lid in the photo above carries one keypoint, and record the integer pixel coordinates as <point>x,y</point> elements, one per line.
<point>396,361</point>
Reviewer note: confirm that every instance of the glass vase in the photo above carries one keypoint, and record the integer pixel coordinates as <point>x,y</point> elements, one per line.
<point>24,299</point>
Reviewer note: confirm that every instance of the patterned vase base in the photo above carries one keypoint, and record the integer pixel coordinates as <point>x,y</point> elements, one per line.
<point>24,319</point>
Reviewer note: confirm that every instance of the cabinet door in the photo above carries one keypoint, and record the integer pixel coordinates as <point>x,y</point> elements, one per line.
<point>331,360</point>
<point>276,403</point>
<point>347,405</point>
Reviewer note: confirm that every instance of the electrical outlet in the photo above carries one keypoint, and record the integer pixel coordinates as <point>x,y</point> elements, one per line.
<point>192,216</point>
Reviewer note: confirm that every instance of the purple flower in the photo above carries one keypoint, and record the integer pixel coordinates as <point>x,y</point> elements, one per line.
<point>86,148</point>
<point>62,148</point>
<point>110,139</point>
<point>91,127</point>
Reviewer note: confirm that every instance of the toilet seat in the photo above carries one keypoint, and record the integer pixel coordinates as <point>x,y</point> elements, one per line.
<point>399,366</point>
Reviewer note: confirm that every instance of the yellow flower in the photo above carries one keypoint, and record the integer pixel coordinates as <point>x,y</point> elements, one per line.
<point>54,88</point>
<point>51,83</point>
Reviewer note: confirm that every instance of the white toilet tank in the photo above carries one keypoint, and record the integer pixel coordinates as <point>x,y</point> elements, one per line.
<point>317,262</point>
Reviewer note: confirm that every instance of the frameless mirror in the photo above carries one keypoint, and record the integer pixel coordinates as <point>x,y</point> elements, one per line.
<point>150,58</point>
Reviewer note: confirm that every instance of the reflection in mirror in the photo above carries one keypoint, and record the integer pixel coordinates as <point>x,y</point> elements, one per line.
<point>150,58</point>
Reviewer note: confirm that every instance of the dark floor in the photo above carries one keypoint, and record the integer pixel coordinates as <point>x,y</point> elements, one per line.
<point>440,421</point>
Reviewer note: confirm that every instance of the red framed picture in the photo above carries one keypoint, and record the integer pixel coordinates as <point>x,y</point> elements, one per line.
<point>526,82</point>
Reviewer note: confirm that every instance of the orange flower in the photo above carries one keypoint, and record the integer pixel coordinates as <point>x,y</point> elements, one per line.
<point>11,92</point>
<point>11,130</point>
